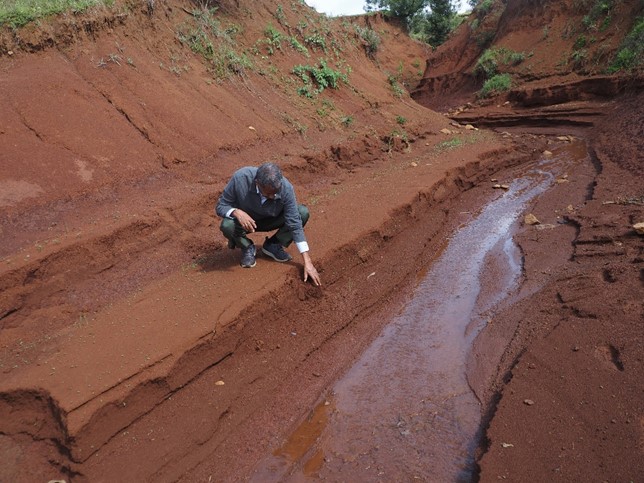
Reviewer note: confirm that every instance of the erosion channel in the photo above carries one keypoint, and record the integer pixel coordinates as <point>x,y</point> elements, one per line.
<point>405,409</point>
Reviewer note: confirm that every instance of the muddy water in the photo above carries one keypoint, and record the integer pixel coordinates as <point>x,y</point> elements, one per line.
<point>405,411</point>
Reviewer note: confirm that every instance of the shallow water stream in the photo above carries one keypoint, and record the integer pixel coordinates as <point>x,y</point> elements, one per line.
<point>405,411</point>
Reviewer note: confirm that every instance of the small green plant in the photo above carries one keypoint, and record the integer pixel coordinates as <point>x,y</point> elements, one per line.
<point>226,62</point>
<point>298,46</point>
<point>370,40</point>
<point>545,33</point>
<point>199,42</point>
<point>317,78</point>
<point>495,85</point>
<point>395,86</point>
<point>578,58</point>
<point>580,43</point>
<point>316,41</point>
<point>347,121</point>
<point>401,120</point>
<point>449,144</point>
<point>280,16</point>
<point>273,39</point>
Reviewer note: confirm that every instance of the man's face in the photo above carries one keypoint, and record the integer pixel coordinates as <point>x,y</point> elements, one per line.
<point>267,191</point>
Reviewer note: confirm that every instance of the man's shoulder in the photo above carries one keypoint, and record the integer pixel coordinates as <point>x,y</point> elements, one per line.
<point>247,170</point>
<point>247,173</point>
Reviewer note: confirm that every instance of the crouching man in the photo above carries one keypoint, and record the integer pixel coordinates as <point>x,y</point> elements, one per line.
<point>262,199</point>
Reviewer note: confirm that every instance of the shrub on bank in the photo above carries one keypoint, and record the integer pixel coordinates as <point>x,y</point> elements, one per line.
<point>495,85</point>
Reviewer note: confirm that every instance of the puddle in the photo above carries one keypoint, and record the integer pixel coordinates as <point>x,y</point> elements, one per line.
<point>404,411</point>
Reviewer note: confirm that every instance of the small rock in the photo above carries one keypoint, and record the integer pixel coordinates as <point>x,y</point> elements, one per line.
<point>317,374</point>
<point>252,128</point>
<point>507,445</point>
<point>639,228</point>
<point>563,138</point>
<point>547,153</point>
<point>570,208</point>
<point>530,219</point>
<point>562,180</point>
<point>528,402</point>
<point>545,226</point>
<point>414,164</point>
<point>10,52</point>
<point>219,383</point>
<point>469,127</point>
<point>506,103</point>
<point>446,131</point>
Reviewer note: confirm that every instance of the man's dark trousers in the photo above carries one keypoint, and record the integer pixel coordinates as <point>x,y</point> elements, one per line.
<point>234,232</point>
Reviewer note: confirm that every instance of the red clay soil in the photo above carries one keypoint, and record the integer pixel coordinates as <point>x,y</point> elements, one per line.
<point>134,348</point>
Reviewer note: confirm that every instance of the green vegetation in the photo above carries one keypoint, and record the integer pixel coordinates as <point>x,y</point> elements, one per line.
<point>631,52</point>
<point>223,60</point>
<point>316,41</point>
<point>495,85</point>
<point>318,78</point>
<point>599,10</point>
<point>347,121</point>
<point>273,39</point>
<point>395,86</point>
<point>17,13</point>
<point>484,7</point>
<point>488,64</point>
<point>450,144</point>
<point>435,25</point>
<point>370,40</point>
<point>401,120</point>
<point>430,21</point>
<point>298,46</point>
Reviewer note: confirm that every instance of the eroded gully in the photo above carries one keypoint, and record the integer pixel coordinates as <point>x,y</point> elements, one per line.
<point>404,411</point>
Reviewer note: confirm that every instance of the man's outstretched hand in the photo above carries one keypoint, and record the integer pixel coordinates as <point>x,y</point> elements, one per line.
<point>310,270</point>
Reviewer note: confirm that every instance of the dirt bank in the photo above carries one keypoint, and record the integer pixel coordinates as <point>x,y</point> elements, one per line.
<point>134,347</point>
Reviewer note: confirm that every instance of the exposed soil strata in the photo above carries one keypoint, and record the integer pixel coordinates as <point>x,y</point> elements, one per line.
<point>134,347</point>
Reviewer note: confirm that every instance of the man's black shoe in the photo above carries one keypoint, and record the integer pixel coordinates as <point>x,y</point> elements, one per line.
<point>275,251</point>
<point>248,257</point>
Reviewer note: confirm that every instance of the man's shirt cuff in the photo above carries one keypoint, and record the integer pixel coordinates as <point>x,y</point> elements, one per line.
<point>302,246</point>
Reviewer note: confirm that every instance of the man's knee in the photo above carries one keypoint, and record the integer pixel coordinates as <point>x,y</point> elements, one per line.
<point>304,213</point>
<point>227,227</point>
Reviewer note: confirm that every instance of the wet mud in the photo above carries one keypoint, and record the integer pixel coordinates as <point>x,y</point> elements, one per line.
<point>405,409</point>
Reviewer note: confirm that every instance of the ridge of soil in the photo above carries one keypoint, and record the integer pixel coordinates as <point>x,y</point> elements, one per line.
<point>133,346</point>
